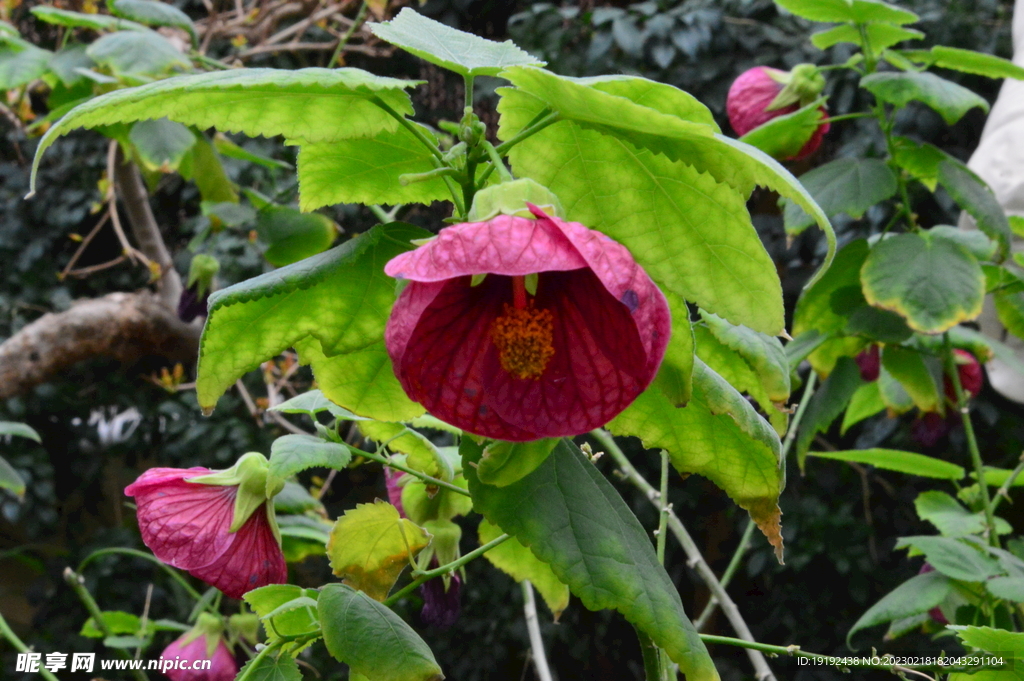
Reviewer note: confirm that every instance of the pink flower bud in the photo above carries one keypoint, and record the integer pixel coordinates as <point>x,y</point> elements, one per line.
<point>182,654</point>
<point>870,363</point>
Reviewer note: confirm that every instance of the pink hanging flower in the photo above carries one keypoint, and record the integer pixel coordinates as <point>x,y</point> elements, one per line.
<point>870,363</point>
<point>748,105</point>
<point>188,525</point>
<point>562,334</point>
<point>182,660</point>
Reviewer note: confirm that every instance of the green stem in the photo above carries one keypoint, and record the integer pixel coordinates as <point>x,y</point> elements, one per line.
<point>652,656</point>
<point>1004,489</point>
<point>445,569</point>
<point>347,35</point>
<point>528,131</point>
<point>845,117</point>
<point>379,213</point>
<point>498,164</point>
<point>195,55</point>
<point>374,456</point>
<point>410,126</point>
<point>247,672</point>
<point>972,442</point>
<point>146,556</point>
<point>799,415</point>
<point>730,570</point>
<point>12,638</point>
<point>77,585</point>
<point>468,80</point>
<point>870,60</point>
<point>663,508</point>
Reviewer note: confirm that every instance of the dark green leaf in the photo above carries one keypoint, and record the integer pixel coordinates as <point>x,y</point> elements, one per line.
<point>974,196</point>
<point>919,159</point>
<point>19,67</point>
<point>978,63</point>
<point>933,283</point>
<point>916,595</point>
<point>918,374</point>
<point>1010,308</point>
<point>878,325</point>
<point>506,462</point>
<point>153,13</point>
<point>452,49</point>
<point>953,558</point>
<point>866,402</point>
<point>846,185</point>
<point>980,246</point>
<point>950,100</point>
<point>827,403</point>
<point>97,22</point>
<point>137,53</point>
<point>293,453</point>
<point>371,639</point>
<point>293,235</point>
<point>948,515</point>
<point>1007,588</point>
<point>161,144</point>
<point>571,517</point>
<point>66,64</point>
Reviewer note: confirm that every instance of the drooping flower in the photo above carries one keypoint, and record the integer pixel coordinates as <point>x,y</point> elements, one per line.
<point>196,294</point>
<point>442,600</point>
<point>391,478</point>
<point>753,100</point>
<point>218,525</point>
<point>202,642</point>
<point>518,328</point>
<point>928,429</point>
<point>870,363</point>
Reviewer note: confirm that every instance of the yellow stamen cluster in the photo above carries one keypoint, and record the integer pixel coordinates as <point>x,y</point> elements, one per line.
<point>524,337</point>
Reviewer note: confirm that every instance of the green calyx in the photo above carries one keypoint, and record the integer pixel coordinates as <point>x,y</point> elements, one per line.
<point>802,85</point>
<point>251,474</point>
<point>201,273</point>
<point>444,545</point>
<point>510,198</point>
<point>209,625</point>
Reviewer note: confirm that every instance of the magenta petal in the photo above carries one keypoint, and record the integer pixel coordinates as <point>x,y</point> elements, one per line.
<point>504,245</point>
<point>222,664</point>
<point>253,559</point>
<point>185,524</point>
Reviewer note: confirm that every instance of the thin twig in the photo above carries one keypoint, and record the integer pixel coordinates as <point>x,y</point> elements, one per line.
<point>1004,490</point>
<point>8,634</point>
<point>83,245</point>
<point>343,40</point>
<point>540,660</point>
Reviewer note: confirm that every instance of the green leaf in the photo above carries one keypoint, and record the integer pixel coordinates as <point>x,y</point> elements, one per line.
<point>846,185</point>
<point>293,453</point>
<point>854,11</point>
<point>893,393</point>
<point>917,374</point>
<point>953,558</point>
<point>202,165</point>
<point>97,22</point>
<point>153,13</point>
<point>992,640</point>
<point>974,196</point>
<point>226,147</point>
<point>896,460</point>
<point>19,430</point>
<point>9,478</point>
<point>997,477</point>
<point>814,310</point>
<point>423,455</point>
<point>950,100</point>
<point>309,105</point>
<point>293,235</point>
<point>827,403</point>
<point>295,498</point>
<point>978,63</point>
<point>514,559</point>
<point>370,546</point>
<point>340,298</point>
<point>65,65</point>
<point>19,67</point>
<point>271,668</point>
<point>718,435</point>
<point>455,50</point>
<point>371,639</point>
<point>1007,588</point>
<point>932,283</point>
<point>571,518</point>
<point>137,53</point>
<point>161,144</point>
<point>880,35</point>
<point>424,505</point>
<point>662,211</point>
<point>273,604</point>
<point>675,376</point>
<point>975,241</point>
<point>948,515</point>
<point>798,349</point>
<point>312,402</point>
<point>916,595</point>
<point>367,170</point>
<point>784,136</point>
<point>506,462</point>
<point>877,325</point>
<point>117,622</point>
<point>735,163</point>
<point>866,402</point>
<point>919,159</point>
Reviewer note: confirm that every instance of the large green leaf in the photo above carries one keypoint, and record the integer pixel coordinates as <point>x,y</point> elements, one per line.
<point>675,376</point>
<point>97,22</point>
<point>153,13</point>
<point>311,105</point>
<point>137,53</point>
<point>784,136</point>
<point>516,560</point>
<point>718,435</point>
<point>974,196</point>
<point>340,298</point>
<point>293,453</point>
<point>367,170</point>
<point>827,403</point>
<point>975,241</point>
<point>948,515</point>
<point>918,374</point>
<point>865,403</point>
<point>916,595</point>
<point>978,63</point>
<point>22,66</point>
<point>202,165</point>
<point>896,460</point>
<point>880,35</point>
<point>665,212</point>
<point>846,185</point>
<point>993,640</point>
<point>452,49</point>
<point>950,100</point>
<point>161,144</point>
<point>855,11</point>
<point>292,235</point>
<point>933,283</point>
<point>571,517</point>
<point>953,557</point>
<point>371,639</point>
<point>660,130</point>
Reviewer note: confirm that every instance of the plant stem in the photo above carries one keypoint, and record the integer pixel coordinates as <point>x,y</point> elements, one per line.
<point>651,655</point>
<point>247,672</point>
<point>76,583</point>
<point>663,507</point>
<point>379,213</point>
<point>846,117</point>
<point>142,554</point>
<point>730,570</point>
<point>972,442</point>
<point>468,81</point>
<point>445,569</point>
<point>347,35</point>
<point>207,61</point>
<point>374,456</point>
<point>540,660</point>
<point>7,633</point>
<point>528,131</point>
<point>498,164</point>
<point>411,127</point>
<point>794,425</point>
<point>1004,489</point>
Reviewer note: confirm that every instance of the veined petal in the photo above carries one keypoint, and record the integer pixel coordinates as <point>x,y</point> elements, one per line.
<point>253,559</point>
<point>222,663</point>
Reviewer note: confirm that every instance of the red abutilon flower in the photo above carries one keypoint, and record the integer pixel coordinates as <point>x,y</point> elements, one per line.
<point>218,525</point>
<point>969,370</point>
<point>750,98</point>
<point>184,659</point>
<point>870,363</point>
<point>519,328</point>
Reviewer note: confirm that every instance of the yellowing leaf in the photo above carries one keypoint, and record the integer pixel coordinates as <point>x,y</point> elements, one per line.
<point>370,546</point>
